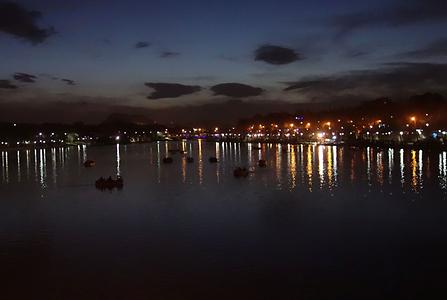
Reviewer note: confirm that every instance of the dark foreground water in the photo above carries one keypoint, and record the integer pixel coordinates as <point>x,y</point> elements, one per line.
<point>320,222</point>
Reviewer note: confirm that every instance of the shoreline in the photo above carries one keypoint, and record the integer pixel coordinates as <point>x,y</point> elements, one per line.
<point>353,145</point>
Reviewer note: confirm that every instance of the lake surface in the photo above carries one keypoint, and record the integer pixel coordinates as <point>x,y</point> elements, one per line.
<point>320,222</point>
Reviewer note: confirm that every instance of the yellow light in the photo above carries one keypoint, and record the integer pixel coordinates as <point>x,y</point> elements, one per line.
<point>413,119</point>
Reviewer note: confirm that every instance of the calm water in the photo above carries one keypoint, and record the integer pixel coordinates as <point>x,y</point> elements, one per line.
<point>320,222</point>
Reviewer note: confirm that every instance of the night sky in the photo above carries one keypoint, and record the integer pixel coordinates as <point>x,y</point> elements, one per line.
<point>63,61</point>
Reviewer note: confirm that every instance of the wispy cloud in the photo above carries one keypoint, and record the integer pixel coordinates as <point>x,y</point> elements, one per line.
<point>398,13</point>
<point>24,77</point>
<point>168,54</point>
<point>393,79</point>
<point>141,44</point>
<point>436,48</point>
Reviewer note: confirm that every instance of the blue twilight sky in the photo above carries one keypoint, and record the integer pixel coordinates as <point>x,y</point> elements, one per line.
<point>111,49</point>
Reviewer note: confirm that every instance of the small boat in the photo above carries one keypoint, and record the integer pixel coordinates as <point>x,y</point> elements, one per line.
<point>262,163</point>
<point>109,183</point>
<point>213,159</point>
<point>255,148</point>
<point>167,160</point>
<point>240,172</point>
<point>189,159</point>
<point>89,163</point>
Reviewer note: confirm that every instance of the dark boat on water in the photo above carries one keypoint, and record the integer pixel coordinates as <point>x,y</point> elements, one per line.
<point>240,172</point>
<point>109,183</point>
<point>213,159</point>
<point>262,163</point>
<point>189,159</point>
<point>89,163</point>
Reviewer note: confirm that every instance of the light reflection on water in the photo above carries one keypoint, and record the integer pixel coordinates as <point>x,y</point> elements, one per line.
<point>118,160</point>
<point>290,167</point>
<point>443,170</point>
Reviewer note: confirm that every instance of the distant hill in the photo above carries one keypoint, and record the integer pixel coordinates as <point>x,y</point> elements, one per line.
<point>429,103</point>
<point>121,118</point>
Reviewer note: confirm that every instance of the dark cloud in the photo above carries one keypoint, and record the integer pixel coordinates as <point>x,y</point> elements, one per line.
<point>276,55</point>
<point>236,90</point>
<point>399,13</point>
<point>6,84</point>
<point>168,54</point>
<point>68,81</point>
<point>392,79</point>
<point>142,44</point>
<point>20,22</point>
<point>23,77</point>
<point>435,49</point>
<point>171,90</point>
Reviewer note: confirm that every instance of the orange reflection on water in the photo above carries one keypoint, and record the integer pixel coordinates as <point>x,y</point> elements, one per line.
<point>184,169</point>
<point>292,167</point>
<point>329,166</point>
<point>309,167</point>
<point>416,169</point>
<point>199,144</point>
<point>352,168</point>
<point>278,165</point>
<point>402,166</point>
